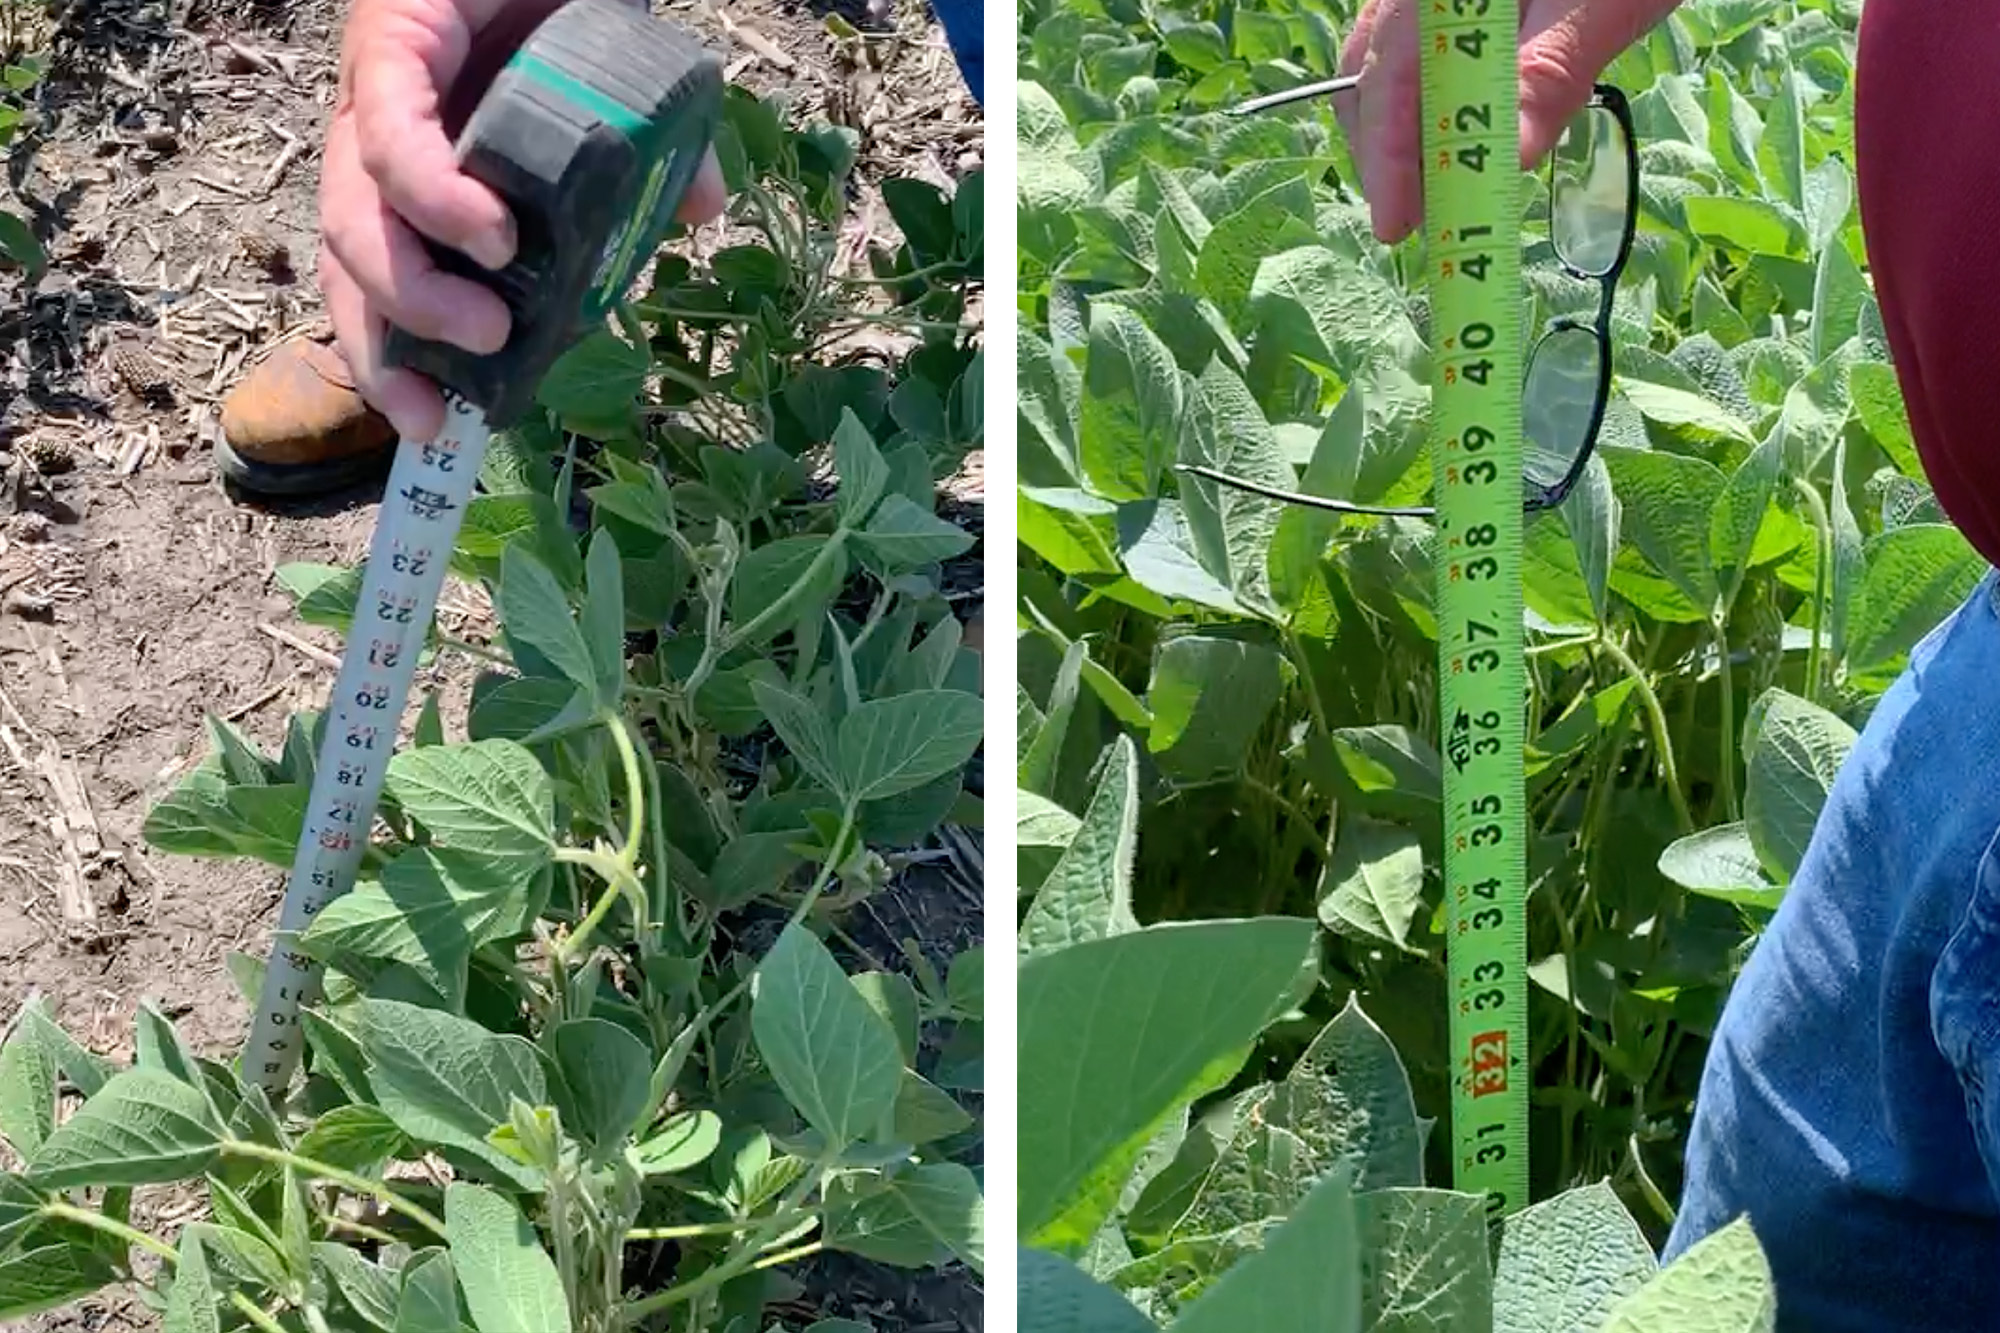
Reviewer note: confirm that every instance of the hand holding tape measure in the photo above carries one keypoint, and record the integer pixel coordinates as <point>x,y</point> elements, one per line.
<point>412,72</point>
<point>589,137</point>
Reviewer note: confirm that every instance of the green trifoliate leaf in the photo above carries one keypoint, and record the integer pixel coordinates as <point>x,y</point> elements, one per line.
<point>833,1056</point>
<point>510,1283</point>
<point>141,1128</point>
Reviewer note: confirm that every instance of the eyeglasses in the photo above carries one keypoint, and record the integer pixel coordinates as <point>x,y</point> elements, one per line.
<point>1593,176</point>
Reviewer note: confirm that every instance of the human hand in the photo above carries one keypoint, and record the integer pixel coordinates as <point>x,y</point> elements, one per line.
<point>1564,44</point>
<point>390,172</point>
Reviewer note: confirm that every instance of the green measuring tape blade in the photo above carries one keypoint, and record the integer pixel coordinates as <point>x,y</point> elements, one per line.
<point>1472,213</point>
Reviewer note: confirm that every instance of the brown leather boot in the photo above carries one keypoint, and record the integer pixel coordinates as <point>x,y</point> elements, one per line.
<point>296,426</point>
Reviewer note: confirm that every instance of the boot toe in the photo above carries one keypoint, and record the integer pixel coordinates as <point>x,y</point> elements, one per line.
<point>298,406</point>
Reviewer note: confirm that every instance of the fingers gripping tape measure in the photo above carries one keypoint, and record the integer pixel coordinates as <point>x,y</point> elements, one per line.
<point>1472,253</point>
<point>591,134</point>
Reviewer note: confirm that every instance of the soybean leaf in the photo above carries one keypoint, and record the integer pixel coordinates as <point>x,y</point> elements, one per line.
<point>356,1137</point>
<point>645,504</point>
<point>431,908</point>
<point>1916,576</point>
<point>1750,226</point>
<point>917,1216</point>
<point>1721,862</point>
<point>141,1128</point>
<point>191,1304</point>
<point>1043,831</point>
<point>368,1288</point>
<point>902,536</point>
<point>1566,1262</point>
<point>527,706</point>
<point>894,999</point>
<point>1395,771</point>
<point>509,1281</point>
<point>1782,152</point>
<point>924,1113</point>
<point>428,1302</point>
<point>429,729</point>
<point>1839,293</point>
<point>1071,529</point>
<point>1725,1276</point>
<point>1232,529</point>
<point>49,1276</point>
<point>1746,501</point>
<point>536,612</point>
<point>27,1087</point>
<point>486,797</point>
<point>158,1046</point>
<point>1210,697</point>
<point>891,745</point>
<point>1670,501</point>
<point>604,617</point>
<point>863,474</point>
<point>607,1073</point>
<point>1306,1278</point>
<point>684,1142</point>
<point>1088,894</point>
<point>804,729</point>
<point>1115,1034</point>
<point>204,816</point>
<point>1685,409</point>
<point>1329,310</point>
<point>833,1056</point>
<point>1055,1296</point>
<point>1159,554</point>
<point>1374,884</point>
<point>87,1070</point>
<point>1424,1262</point>
<point>1796,753</point>
<point>599,375</point>
<point>1131,406</point>
<point>20,244</point>
<point>446,1080</point>
<point>1349,1098</point>
<point>246,1257</point>
<point>1259,1171</point>
<point>965,982</point>
<point>790,580</point>
<point>1878,401</point>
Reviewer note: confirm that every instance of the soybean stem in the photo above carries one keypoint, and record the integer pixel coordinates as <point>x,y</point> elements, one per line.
<point>113,1227</point>
<point>1662,740</point>
<point>326,1171</point>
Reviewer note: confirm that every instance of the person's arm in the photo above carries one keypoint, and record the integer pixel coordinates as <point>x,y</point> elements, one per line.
<point>1564,45</point>
<point>410,71</point>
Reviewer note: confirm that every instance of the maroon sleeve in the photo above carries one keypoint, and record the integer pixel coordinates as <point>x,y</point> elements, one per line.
<point>1927,149</point>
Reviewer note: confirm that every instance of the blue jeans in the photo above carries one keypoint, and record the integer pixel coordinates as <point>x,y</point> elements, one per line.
<point>964,23</point>
<point>1844,1105</point>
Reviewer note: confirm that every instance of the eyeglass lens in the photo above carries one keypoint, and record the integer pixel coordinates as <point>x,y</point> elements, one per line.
<point>1589,187</point>
<point>1587,205</point>
<point>1557,402</point>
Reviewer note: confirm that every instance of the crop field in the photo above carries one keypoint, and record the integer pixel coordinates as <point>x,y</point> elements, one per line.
<point>1229,769</point>
<point>659,1002</point>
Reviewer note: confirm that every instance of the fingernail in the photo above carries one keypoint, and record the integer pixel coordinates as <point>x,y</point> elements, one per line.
<point>495,249</point>
<point>484,336</point>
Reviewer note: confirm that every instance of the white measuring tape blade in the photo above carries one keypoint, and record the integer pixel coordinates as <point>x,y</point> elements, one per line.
<point>430,485</point>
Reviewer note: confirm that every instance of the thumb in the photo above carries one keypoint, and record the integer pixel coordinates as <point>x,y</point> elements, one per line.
<point>1565,44</point>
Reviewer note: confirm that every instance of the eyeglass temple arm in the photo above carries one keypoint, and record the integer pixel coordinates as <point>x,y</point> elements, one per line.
<point>1309,501</point>
<point>1304,91</point>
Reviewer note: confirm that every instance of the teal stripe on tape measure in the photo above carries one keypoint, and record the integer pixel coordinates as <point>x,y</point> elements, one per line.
<point>1472,212</point>
<point>609,110</point>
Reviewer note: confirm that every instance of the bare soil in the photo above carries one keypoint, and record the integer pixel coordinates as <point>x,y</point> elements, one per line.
<point>171,177</point>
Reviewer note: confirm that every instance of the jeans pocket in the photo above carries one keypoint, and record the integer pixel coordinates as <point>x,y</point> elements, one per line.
<point>1965,1001</point>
